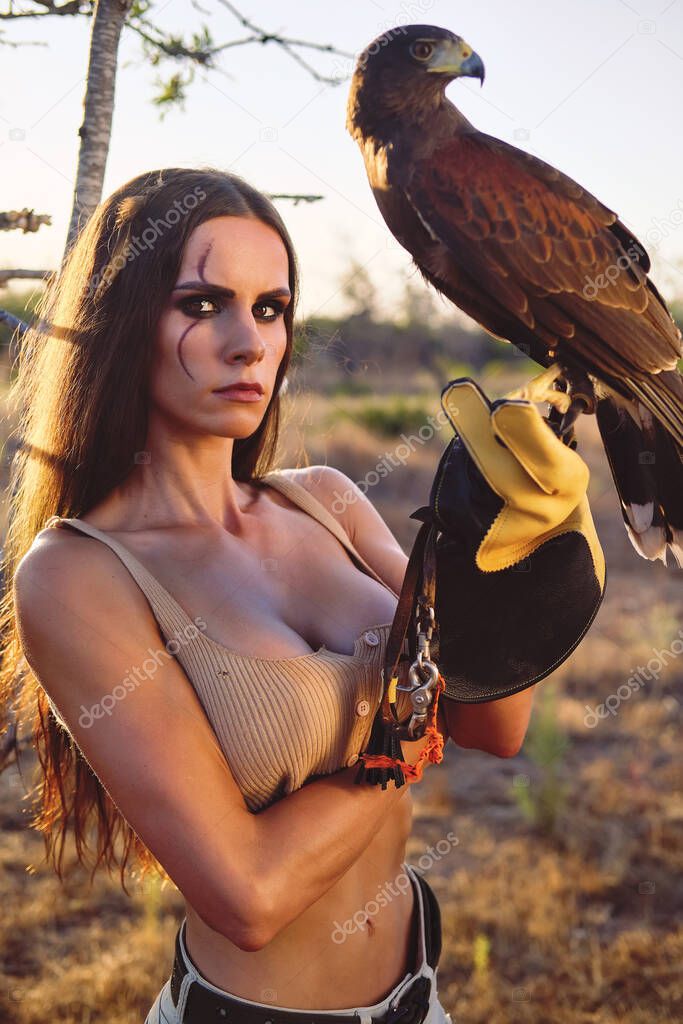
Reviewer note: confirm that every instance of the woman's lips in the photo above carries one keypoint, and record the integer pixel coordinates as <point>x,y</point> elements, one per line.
<point>239,394</point>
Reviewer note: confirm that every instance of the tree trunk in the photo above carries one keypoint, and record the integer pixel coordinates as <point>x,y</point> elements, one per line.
<point>95,132</point>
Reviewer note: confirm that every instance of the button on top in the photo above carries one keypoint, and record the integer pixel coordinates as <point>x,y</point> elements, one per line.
<point>371,638</point>
<point>350,761</point>
<point>362,707</point>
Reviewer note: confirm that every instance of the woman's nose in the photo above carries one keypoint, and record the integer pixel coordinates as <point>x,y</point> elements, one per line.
<point>244,342</point>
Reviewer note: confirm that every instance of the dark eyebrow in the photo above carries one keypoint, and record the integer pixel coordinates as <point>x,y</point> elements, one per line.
<point>228,293</point>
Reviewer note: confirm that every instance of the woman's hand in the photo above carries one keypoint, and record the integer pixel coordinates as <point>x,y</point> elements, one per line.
<point>412,749</point>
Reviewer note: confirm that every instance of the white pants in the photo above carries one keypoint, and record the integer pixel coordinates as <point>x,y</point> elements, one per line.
<point>164,1012</point>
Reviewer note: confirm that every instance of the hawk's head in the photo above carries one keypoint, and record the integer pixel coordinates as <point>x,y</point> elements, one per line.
<point>407,66</point>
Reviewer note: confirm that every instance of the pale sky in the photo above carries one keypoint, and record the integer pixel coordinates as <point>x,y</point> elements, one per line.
<point>592,86</point>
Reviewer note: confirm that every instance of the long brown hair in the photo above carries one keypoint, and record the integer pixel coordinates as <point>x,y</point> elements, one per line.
<point>82,395</point>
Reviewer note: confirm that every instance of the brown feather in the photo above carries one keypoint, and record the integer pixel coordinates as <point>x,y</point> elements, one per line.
<point>579,251</point>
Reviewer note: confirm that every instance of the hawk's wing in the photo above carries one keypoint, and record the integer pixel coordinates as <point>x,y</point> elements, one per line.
<point>548,251</point>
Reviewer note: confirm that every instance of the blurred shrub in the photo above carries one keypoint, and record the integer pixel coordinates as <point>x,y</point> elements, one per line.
<point>391,417</point>
<point>542,798</point>
<point>352,386</point>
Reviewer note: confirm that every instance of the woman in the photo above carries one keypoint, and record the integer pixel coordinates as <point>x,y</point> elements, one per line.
<point>229,766</point>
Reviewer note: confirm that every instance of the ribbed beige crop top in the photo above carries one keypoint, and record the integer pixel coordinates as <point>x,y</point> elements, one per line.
<point>278,721</point>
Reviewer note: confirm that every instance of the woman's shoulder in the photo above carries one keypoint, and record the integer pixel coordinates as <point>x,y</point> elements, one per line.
<point>52,574</point>
<point>51,548</point>
<point>328,485</point>
<point>315,476</point>
<point>57,576</point>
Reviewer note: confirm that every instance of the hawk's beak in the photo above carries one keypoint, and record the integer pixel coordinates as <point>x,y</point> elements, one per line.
<point>457,60</point>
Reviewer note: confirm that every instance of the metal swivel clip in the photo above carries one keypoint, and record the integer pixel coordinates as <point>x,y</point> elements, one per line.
<point>423,673</point>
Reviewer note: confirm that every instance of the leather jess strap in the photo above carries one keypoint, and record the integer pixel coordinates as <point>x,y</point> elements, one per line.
<point>420,577</point>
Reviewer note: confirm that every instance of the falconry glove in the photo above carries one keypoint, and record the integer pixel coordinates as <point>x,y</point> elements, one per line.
<point>505,576</point>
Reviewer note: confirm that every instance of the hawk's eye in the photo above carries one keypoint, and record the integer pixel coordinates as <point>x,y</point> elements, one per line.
<point>422,50</point>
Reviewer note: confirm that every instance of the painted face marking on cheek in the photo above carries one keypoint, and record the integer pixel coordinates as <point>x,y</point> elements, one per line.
<point>179,349</point>
<point>200,274</point>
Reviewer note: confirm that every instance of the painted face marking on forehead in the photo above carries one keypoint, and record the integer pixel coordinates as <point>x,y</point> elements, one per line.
<point>202,262</point>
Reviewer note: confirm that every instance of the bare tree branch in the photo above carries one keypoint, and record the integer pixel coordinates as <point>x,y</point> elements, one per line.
<point>260,35</point>
<point>201,51</point>
<point>71,7</point>
<point>267,37</point>
<point>198,7</point>
<point>172,46</point>
<point>27,275</point>
<point>25,220</point>
<point>296,198</point>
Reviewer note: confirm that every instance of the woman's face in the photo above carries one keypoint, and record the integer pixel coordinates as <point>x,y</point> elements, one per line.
<point>223,323</point>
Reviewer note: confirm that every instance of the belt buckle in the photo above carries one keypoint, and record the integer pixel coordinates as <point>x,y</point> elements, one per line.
<point>413,1005</point>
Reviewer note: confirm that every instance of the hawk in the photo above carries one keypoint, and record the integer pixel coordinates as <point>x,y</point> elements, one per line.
<point>536,260</point>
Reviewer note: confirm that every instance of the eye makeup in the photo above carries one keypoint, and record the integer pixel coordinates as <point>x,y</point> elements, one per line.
<point>185,306</point>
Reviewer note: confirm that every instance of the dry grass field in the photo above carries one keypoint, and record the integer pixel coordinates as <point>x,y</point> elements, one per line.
<point>561,900</point>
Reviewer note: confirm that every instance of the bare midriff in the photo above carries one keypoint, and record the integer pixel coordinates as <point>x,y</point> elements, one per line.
<point>335,955</point>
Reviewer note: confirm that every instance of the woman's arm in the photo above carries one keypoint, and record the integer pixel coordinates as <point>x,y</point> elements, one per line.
<point>315,835</point>
<point>497,727</point>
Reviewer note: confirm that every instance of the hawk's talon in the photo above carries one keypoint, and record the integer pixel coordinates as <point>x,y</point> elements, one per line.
<point>540,389</point>
<point>579,404</point>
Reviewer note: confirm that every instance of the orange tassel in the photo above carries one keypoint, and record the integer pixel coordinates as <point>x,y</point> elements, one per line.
<point>432,752</point>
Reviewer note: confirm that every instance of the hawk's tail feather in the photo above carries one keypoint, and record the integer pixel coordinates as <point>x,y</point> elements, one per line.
<point>662,394</point>
<point>647,465</point>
